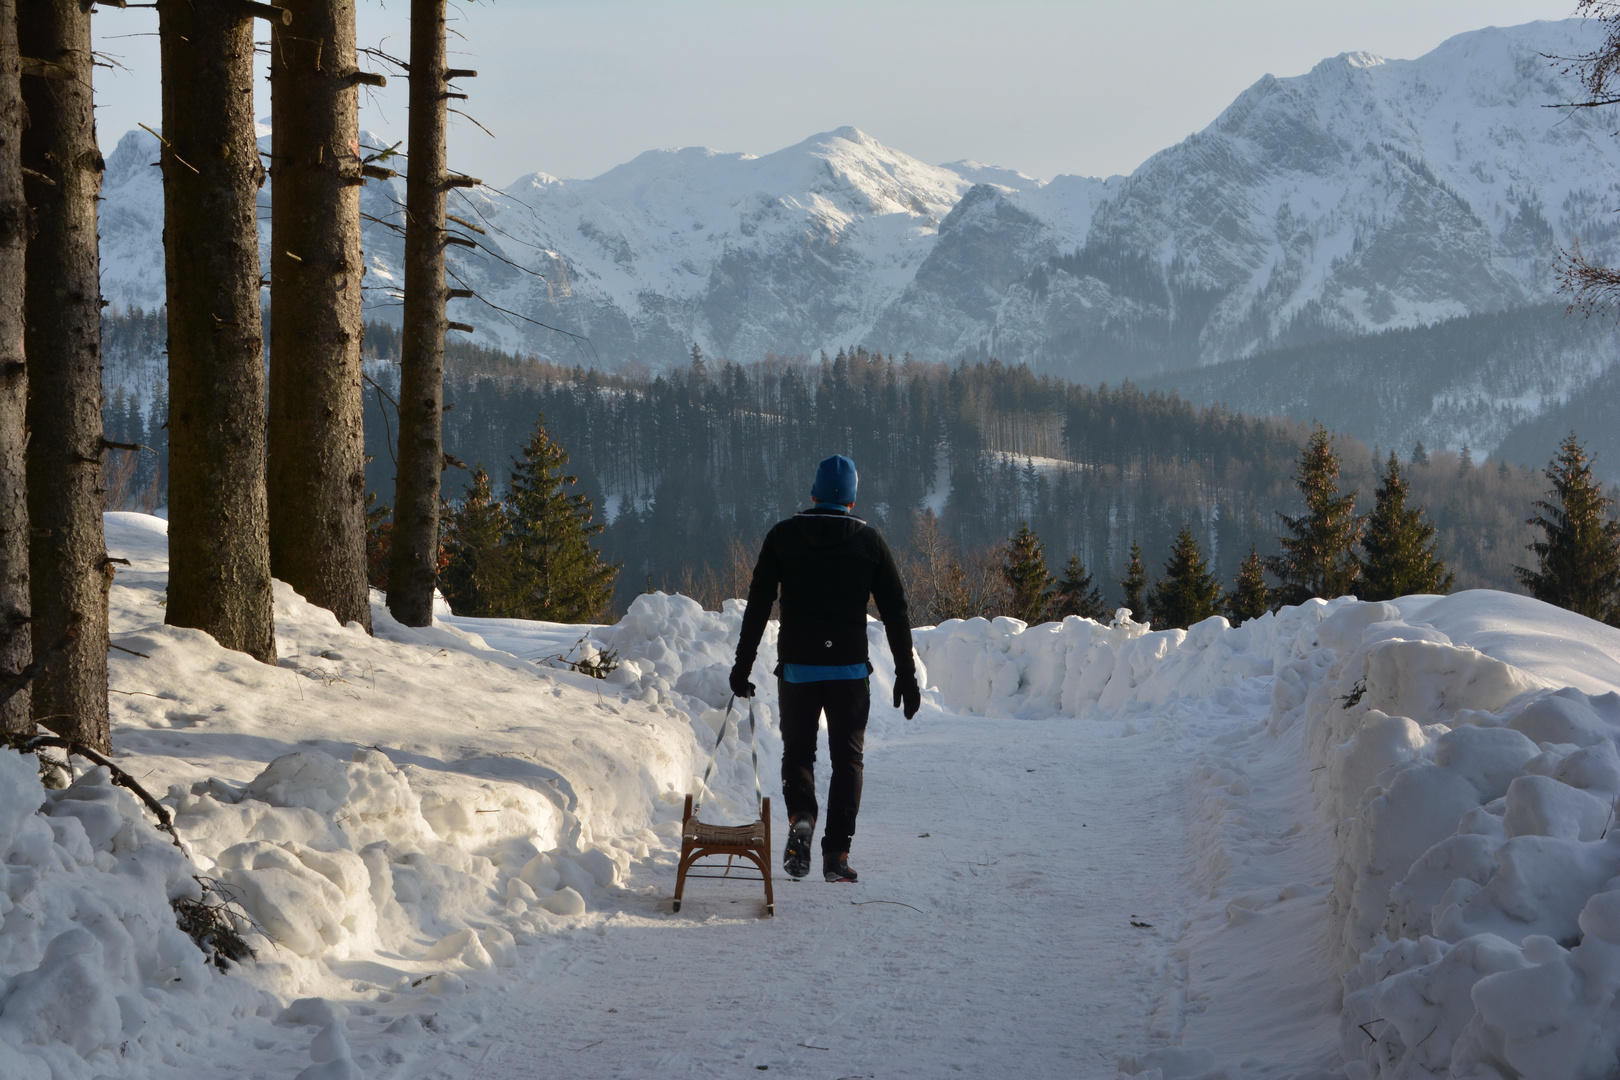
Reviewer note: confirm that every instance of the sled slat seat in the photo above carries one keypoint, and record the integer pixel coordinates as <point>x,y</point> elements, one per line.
<point>751,835</point>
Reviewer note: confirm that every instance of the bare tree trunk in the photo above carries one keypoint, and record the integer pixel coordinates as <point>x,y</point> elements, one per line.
<point>317,479</point>
<point>16,647</point>
<point>69,570</point>
<point>413,560</point>
<point>219,537</point>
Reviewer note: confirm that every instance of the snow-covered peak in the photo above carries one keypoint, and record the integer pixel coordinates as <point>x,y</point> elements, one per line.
<point>1361,59</point>
<point>980,173</point>
<point>1365,194</point>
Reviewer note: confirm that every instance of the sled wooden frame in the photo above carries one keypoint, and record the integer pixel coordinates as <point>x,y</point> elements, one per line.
<point>752,842</point>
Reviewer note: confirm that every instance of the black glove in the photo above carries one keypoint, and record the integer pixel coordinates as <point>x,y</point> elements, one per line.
<point>907,690</point>
<point>739,680</point>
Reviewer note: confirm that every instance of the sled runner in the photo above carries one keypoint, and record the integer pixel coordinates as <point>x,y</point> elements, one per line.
<point>752,841</point>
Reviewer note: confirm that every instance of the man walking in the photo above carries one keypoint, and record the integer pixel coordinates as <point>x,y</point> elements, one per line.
<point>827,562</point>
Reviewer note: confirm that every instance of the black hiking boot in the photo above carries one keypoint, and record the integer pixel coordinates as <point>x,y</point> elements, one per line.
<point>796,856</point>
<point>836,868</point>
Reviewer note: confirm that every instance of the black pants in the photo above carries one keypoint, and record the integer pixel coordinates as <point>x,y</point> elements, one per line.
<point>846,703</point>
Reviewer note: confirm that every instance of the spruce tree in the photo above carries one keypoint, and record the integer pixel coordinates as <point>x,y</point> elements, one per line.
<point>219,544</point>
<point>1077,595</point>
<point>557,575</point>
<point>1023,568</point>
<point>1188,592</point>
<point>1318,556</point>
<point>16,646</point>
<point>1249,598</point>
<point>379,540</point>
<point>68,575</point>
<point>315,477</point>
<point>1134,581</point>
<point>1399,546</point>
<point>477,577</point>
<point>1578,560</point>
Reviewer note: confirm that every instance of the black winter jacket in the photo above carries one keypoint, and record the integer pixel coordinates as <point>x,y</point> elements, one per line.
<point>827,563</point>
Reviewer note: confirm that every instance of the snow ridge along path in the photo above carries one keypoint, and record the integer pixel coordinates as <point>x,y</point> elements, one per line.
<point>1337,841</point>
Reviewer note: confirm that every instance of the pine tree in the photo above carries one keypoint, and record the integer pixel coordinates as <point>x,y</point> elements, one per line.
<point>1024,570</point>
<point>219,549</point>
<point>477,578</point>
<point>315,475</point>
<point>1420,456</point>
<point>1399,546</point>
<point>379,539</point>
<point>557,575</point>
<point>1188,592</point>
<point>1249,598</point>
<point>1134,582</point>
<point>1318,557</point>
<point>412,568</point>
<point>1578,560</point>
<point>68,575</point>
<point>1077,595</point>
<point>16,646</point>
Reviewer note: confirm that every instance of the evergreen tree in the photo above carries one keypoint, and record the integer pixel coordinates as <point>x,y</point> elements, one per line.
<point>16,646</point>
<point>1134,581</point>
<point>1077,595</point>
<point>1249,598</point>
<point>1318,557</point>
<point>557,575</point>
<point>1420,456</point>
<point>219,550</point>
<point>1023,568</point>
<point>379,539</point>
<point>1188,592</point>
<point>477,578</point>
<point>412,558</point>
<point>1578,560</point>
<point>316,443</point>
<point>1399,546</point>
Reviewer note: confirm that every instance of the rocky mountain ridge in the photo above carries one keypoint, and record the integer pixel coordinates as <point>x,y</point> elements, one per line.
<point>1365,195</point>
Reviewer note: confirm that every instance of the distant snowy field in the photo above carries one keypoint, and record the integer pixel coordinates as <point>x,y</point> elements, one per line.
<point>1349,840</point>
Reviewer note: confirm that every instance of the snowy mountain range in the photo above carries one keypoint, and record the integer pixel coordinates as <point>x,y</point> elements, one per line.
<point>1365,195</point>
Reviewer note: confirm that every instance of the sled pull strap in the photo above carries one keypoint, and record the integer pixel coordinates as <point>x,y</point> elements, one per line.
<point>753,749</point>
<point>708,770</point>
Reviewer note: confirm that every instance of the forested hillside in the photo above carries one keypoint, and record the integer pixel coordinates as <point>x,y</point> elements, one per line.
<point>685,465</point>
<point>1510,384</point>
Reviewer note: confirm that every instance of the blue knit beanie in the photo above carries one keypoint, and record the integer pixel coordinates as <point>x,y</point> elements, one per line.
<point>835,481</point>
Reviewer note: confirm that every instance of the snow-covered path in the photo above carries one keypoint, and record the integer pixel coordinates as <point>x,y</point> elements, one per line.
<point>1026,848</point>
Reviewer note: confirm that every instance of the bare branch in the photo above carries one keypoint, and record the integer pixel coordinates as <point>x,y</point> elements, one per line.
<point>458,112</point>
<point>1594,289</point>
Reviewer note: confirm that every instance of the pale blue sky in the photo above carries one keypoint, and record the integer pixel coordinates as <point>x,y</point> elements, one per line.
<point>574,87</point>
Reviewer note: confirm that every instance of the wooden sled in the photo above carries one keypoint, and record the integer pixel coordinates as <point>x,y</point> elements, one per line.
<point>752,841</point>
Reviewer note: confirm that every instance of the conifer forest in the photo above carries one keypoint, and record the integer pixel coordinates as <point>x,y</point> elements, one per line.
<point>686,467</point>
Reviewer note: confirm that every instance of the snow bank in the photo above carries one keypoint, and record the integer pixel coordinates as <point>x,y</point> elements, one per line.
<point>95,977</point>
<point>1003,667</point>
<point>392,817</point>
<point>1471,793</point>
<point>1463,753</point>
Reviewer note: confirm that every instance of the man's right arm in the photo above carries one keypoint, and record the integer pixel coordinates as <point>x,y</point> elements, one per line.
<point>761,595</point>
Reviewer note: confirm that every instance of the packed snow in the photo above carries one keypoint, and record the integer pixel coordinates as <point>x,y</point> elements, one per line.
<point>1346,840</point>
